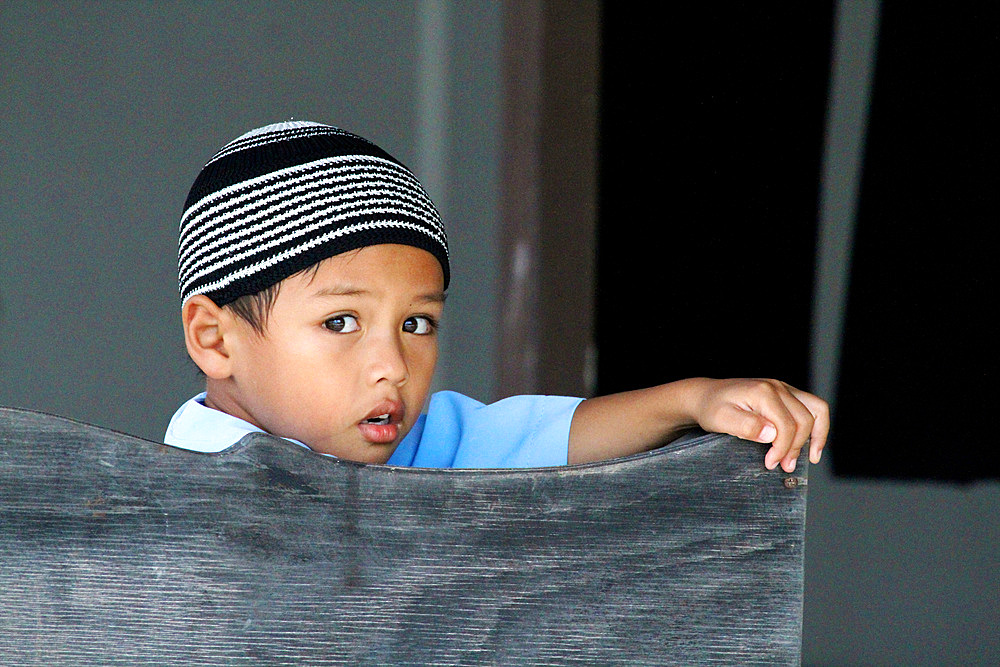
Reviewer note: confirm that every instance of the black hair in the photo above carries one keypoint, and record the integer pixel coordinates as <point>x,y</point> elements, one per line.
<point>255,308</point>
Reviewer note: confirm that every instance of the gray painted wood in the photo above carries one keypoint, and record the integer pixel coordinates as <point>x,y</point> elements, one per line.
<point>120,551</point>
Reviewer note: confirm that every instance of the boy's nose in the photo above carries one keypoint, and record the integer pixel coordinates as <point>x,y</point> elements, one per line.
<point>388,362</point>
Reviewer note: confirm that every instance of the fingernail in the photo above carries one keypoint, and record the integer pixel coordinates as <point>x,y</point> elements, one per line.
<point>768,433</point>
<point>791,468</point>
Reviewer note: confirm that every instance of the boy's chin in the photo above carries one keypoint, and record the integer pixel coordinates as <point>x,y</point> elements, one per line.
<point>367,453</point>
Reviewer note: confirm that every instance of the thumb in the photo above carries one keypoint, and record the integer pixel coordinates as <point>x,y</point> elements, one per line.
<point>746,425</point>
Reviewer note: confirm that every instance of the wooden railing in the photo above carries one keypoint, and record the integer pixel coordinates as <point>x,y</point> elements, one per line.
<point>116,550</point>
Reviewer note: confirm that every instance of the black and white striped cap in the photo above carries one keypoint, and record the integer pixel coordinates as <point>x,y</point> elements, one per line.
<point>286,196</point>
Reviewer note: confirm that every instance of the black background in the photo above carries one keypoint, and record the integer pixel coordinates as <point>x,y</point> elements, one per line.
<point>711,144</point>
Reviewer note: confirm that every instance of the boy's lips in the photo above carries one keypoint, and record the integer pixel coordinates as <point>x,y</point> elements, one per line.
<point>381,426</point>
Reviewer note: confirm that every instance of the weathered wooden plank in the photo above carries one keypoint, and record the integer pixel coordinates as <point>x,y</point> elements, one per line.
<point>115,550</point>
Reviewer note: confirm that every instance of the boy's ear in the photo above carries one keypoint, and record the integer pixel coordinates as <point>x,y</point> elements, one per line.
<point>205,328</point>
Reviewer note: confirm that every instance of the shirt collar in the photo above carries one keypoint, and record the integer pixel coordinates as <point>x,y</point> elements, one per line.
<point>199,428</point>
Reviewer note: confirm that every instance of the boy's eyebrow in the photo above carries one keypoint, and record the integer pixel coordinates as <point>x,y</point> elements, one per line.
<point>436,297</point>
<point>348,290</point>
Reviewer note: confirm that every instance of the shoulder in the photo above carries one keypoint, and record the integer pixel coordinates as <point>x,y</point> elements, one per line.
<point>519,431</point>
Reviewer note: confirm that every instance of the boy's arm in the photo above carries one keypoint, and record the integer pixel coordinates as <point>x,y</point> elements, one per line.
<point>766,411</point>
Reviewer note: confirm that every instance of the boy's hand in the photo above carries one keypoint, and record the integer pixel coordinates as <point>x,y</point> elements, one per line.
<point>766,411</point>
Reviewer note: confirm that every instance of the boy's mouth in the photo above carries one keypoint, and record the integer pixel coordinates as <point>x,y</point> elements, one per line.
<point>381,419</point>
<point>381,426</point>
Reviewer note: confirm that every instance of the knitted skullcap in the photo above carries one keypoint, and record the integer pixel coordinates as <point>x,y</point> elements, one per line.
<point>284,197</point>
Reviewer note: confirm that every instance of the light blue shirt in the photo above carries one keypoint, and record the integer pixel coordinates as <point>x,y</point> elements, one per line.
<point>456,432</point>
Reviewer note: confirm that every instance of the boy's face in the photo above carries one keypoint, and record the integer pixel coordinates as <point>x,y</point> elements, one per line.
<point>347,355</point>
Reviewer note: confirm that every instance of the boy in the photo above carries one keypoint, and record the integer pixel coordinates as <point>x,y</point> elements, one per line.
<point>313,270</point>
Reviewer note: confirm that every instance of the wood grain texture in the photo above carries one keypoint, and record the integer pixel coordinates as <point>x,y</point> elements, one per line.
<point>120,551</point>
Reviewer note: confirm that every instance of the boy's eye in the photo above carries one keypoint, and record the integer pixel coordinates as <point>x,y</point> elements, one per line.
<point>342,323</point>
<point>419,325</point>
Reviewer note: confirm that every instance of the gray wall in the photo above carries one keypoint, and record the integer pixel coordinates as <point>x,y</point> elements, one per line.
<point>111,109</point>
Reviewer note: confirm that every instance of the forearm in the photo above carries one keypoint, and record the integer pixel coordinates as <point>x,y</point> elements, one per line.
<point>635,421</point>
<point>765,411</point>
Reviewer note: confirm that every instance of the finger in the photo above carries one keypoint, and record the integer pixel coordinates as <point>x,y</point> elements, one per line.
<point>804,422</point>
<point>820,410</point>
<point>752,426</point>
<point>771,401</point>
